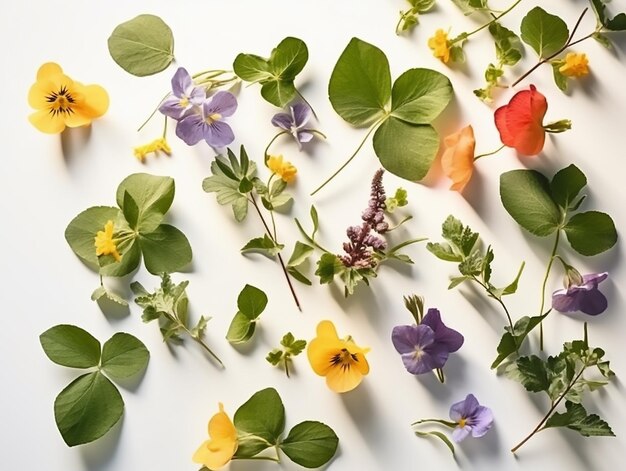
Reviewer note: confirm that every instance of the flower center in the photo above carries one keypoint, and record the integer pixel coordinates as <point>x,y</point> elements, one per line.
<point>418,352</point>
<point>61,102</point>
<point>213,118</point>
<point>184,102</point>
<point>462,422</point>
<point>344,358</point>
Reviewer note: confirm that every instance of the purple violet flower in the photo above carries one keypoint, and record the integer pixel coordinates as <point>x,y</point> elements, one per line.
<point>426,346</point>
<point>208,124</point>
<point>470,417</point>
<point>584,297</point>
<point>294,122</point>
<point>184,97</point>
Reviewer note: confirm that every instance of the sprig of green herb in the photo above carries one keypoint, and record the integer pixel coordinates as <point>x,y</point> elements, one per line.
<point>290,347</point>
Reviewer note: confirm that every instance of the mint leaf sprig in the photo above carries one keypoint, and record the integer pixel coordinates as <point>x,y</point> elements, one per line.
<point>168,305</point>
<point>235,183</point>
<point>562,379</point>
<point>290,347</point>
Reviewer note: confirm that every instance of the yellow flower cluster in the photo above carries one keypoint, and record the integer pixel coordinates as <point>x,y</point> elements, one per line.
<point>576,65</point>
<point>440,45</point>
<point>285,170</point>
<point>155,146</point>
<point>105,243</point>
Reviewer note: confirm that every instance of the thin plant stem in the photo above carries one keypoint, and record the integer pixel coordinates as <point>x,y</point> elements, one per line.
<point>403,16</point>
<point>280,258</point>
<point>568,44</point>
<point>447,423</point>
<point>266,154</point>
<point>486,25</point>
<point>506,311</point>
<point>287,367</point>
<point>164,126</point>
<point>480,156</point>
<point>153,112</point>
<point>371,129</point>
<point>545,282</point>
<point>173,318</point>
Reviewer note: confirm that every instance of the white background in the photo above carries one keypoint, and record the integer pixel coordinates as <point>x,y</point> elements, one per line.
<point>47,180</point>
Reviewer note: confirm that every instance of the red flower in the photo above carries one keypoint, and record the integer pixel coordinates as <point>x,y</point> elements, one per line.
<point>520,123</point>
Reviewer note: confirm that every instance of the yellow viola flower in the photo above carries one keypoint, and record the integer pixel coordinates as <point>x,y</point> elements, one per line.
<point>61,102</point>
<point>440,45</point>
<point>105,243</point>
<point>158,145</point>
<point>576,65</point>
<point>341,361</point>
<point>222,444</point>
<point>285,170</point>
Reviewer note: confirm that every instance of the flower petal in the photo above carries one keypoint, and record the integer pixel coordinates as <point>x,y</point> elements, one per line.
<point>223,103</point>
<point>418,364</point>
<point>301,113</point>
<point>215,454</point>
<point>283,121</point>
<point>48,70</point>
<point>593,303</point>
<point>191,129</point>
<point>409,338</point>
<point>464,409</point>
<point>444,335</point>
<point>47,122</point>
<point>457,160</point>
<point>595,278</point>
<point>343,379</point>
<point>181,83</point>
<point>171,107</point>
<point>96,101</point>
<point>303,136</point>
<point>459,434</point>
<point>218,134</point>
<point>481,421</point>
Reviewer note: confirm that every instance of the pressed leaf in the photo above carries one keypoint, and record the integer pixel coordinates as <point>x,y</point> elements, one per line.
<point>310,444</point>
<point>81,232</point>
<point>251,68</point>
<point>406,150</point>
<point>71,346</point>
<point>566,185</point>
<point>420,95</point>
<point>263,245</point>
<point>591,233</point>
<point>241,329</point>
<point>142,46</point>
<point>152,195</point>
<point>278,92</point>
<point>301,252</point>
<point>131,256</point>
<point>87,409</point>
<point>576,418</point>
<point>440,435</point>
<point>124,355</point>
<point>289,58</point>
<point>263,416</point>
<point>544,32</point>
<point>165,250</point>
<point>251,301</point>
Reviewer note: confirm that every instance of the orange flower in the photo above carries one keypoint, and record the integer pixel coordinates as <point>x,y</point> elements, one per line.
<point>458,158</point>
<point>520,123</point>
<point>222,444</point>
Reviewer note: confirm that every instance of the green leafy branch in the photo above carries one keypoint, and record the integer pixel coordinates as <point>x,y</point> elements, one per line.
<point>235,183</point>
<point>410,18</point>
<point>561,378</point>
<point>168,305</point>
<point>290,347</point>
<point>91,404</point>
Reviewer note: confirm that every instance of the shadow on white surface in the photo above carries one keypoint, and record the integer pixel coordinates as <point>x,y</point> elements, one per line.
<point>74,141</point>
<point>98,455</point>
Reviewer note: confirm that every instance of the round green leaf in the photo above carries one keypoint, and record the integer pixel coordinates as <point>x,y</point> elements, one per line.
<point>420,95</point>
<point>591,233</point>
<point>71,346</point>
<point>152,196</point>
<point>251,301</point>
<point>81,232</point>
<point>525,195</point>
<point>241,329</point>
<point>131,256</point>
<point>87,409</point>
<point>124,355</point>
<point>165,250</point>
<point>289,58</point>
<point>544,32</point>
<point>360,85</point>
<point>251,68</point>
<point>142,46</point>
<point>310,444</point>
<point>262,416</point>
<point>406,150</point>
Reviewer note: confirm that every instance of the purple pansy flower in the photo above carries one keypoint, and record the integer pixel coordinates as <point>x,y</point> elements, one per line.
<point>184,97</point>
<point>294,122</point>
<point>208,123</point>
<point>426,346</point>
<point>584,297</point>
<point>470,417</point>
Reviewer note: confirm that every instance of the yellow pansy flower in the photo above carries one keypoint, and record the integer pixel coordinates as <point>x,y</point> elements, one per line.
<point>158,145</point>
<point>576,65</point>
<point>341,361</point>
<point>105,243</point>
<point>440,45</point>
<point>61,102</point>
<point>285,170</point>
<point>222,444</point>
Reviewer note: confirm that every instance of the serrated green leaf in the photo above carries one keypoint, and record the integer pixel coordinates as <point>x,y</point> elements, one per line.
<point>262,416</point>
<point>310,444</point>
<point>165,250</point>
<point>544,32</point>
<point>241,329</point>
<point>142,46</point>
<point>418,96</point>
<point>591,233</point>
<point>274,357</point>
<point>328,266</point>
<point>101,292</point>
<point>472,265</point>
<point>404,149</point>
<point>87,408</point>
<point>360,84</point>
<point>526,196</point>
<point>198,330</point>
<point>576,418</point>
<point>533,374</point>
<point>123,356</point>
<point>263,245</point>
<point>251,302</point>
<point>71,346</point>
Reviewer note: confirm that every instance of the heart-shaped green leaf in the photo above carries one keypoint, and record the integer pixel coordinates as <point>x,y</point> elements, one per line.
<point>420,95</point>
<point>544,32</point>
<point>241,329</point>
<point>289,58</point>
<point>124,355</point>
<point>71,346</point>
<point>165,250</point>
<point>251,302</point>
<point>566,185</point>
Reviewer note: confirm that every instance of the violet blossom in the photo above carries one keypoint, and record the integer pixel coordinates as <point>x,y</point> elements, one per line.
<point>426,346</point>
<point>208,122</point>
<point>470,417</point>
<point>294,122</point>
<point>184,97</point>
<point>584,296</point>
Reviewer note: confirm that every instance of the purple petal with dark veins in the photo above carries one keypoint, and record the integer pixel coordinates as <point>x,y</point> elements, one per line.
<point>218,134</point>
<point>301,113</point>
<point>481,421</point>
<point>223,103</point>
<point>181,83</point>
<point>418,364</point>
<point>452,339</point>
<point>283,121</point>
<point>171,107</point>
<point>407,338</point>
<point>191,129</point>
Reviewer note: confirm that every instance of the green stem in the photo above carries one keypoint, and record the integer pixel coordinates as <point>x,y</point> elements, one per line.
<point>266,154</point>
<point>173,318</point>
<point>164,126</point>
<point>153,112</point>
<point>374,126</point>
<point>310,239</point>
<point>287,366</point>
<point>497,298</point>
<point>447,423</point>
<point>545,283</point>
<point>403,16</point>
<point>489,153</point>
<point>440,377</point>
<point>213,73</point>
<point>486,25</point>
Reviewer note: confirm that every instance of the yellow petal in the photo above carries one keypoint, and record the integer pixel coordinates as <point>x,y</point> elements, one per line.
<point>215,454</point>
<point>220,426</point>
<point>47,122</point>
<point>96,101</point>
<point>327,331</point>
<point>77,118</point>
<point>361,363</point>
<point>321,353</point>
<point>37,95</point>
<point>343,379</point>
<point>49,69</point>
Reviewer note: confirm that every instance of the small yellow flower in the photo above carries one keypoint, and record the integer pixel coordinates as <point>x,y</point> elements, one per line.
<point>222,444</point>
<point>440,45</point>
<point>61,102</point>
<point>341,361</point>
<point>160,144</point>
<point>576,65</point>
<point>105,243</point>
<point>284,170</point>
